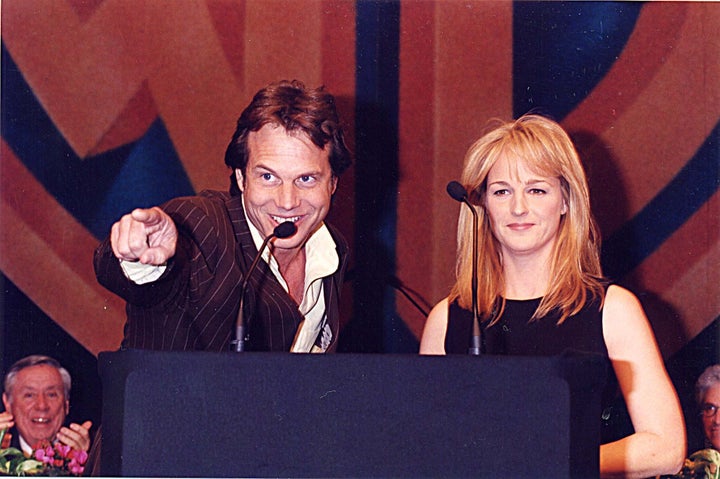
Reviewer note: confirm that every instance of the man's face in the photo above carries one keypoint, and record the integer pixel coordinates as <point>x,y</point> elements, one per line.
<point>711,424</point>
<point>287,178</point>
<point>37,402</point>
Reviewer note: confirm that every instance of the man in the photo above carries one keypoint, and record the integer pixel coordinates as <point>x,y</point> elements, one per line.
<point>180,266</point>
<point>37,400</point>
<point>707,392</point>
<point>705,462</point>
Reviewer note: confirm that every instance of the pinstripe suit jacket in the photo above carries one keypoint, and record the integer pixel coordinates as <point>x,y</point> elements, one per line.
<point>194,304</point>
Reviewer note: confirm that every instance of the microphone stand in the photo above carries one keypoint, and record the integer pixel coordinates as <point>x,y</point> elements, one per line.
<point>459,193</point>
<point>475,342</point>
<point>283,230</point>
<point>395,283</point>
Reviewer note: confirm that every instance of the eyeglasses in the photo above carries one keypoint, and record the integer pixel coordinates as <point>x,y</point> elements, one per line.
<point>708,410</point>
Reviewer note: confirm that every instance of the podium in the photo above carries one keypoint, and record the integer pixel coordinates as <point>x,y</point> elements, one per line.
<point>198,414</point>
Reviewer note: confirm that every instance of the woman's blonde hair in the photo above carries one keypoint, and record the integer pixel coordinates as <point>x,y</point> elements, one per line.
<point>546,149</point>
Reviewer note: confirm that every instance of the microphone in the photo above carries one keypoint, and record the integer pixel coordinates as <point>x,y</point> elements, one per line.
<point>459,193</point>
<point>283,230</point>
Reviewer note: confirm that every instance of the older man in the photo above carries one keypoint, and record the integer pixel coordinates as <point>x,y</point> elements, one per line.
<point>37,401</point>
<point>708,396</point>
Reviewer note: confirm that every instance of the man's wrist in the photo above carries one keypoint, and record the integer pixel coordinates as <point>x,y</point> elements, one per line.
<point>140,273</point>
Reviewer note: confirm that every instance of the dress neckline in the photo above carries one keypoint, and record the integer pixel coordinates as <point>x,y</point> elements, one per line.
<point>530,300</point>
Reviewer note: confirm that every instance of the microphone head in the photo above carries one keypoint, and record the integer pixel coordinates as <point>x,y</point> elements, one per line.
<point>456,191</point>
<point>285,230</point>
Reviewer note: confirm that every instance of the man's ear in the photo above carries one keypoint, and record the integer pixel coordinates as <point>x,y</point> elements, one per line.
<point>67,407</point>
<point>334,182</point>
<point>6,402</point>
<point>239,178</point>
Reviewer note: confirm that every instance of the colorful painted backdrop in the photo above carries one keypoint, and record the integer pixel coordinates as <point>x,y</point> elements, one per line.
<point>112,104</point>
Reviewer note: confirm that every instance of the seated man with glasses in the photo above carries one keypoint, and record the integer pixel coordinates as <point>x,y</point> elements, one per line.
<point>705,463</point>
<point>707,390</point>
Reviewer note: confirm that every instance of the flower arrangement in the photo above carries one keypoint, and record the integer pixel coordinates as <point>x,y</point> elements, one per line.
<point>46,460</point>
<point>703,464</point>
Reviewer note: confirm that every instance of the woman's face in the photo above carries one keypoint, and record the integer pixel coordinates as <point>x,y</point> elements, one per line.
<point>524,208</point>
<point>711,423</point>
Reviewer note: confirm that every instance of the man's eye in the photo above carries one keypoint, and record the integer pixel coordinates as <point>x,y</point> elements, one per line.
<point>306,180</point>
<point>709,410</point>
<point>266,176</point>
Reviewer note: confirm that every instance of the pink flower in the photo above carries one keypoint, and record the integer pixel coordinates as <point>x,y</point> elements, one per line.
<point>59,459</point>
<point>63,450</point>
<point>80,456</point>
<point>40,455</point>
<point>75,467</point>
<point>44,455</point>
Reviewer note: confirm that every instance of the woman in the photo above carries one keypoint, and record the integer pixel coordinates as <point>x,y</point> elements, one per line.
<point>541,290</point>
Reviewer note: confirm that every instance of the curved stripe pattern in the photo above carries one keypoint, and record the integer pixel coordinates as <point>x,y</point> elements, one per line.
<point>97,190</point>
<point>691,188</point>
<point>563,49</point>
<point>564,62</point>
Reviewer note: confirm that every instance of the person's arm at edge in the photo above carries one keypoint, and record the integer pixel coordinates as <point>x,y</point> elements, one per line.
<point>433,336</point>
<point>658,445</point>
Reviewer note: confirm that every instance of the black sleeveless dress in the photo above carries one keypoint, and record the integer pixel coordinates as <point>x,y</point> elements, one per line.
<point>515,335</point>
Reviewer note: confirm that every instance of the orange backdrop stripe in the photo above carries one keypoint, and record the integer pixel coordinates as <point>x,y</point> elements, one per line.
<point>660,126</point>
<point>48,255</point>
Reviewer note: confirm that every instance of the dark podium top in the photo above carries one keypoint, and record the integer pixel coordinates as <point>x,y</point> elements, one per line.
<point>345,415</point>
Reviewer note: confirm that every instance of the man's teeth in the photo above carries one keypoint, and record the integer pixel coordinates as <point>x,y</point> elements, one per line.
<point>280,219</point>
<point>41,419</point>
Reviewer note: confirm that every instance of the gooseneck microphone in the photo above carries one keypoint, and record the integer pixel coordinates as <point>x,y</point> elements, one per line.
<point>459,193</point>
<point>283,230</point>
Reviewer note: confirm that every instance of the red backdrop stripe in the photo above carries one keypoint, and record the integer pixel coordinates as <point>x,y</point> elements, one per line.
<point>46,253</point>
<point>666,117</point>
<point>455,74</point>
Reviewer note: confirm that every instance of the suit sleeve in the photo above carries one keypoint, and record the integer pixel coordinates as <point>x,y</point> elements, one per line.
<point>110,275</point>
<point>201,222</point>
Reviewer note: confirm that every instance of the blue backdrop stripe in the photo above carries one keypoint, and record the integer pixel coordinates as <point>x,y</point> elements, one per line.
<point>98,189</point>
<point>672,207</point>
<point>562,50</point>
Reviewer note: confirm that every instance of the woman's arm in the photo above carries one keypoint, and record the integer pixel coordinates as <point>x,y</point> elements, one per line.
<point>433,337</point>
<point>658,445</point>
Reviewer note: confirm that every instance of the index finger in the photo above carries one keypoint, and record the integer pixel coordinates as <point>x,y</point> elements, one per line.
<point>148,216</point>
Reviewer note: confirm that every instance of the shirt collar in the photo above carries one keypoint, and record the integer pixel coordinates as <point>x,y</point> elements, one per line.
<point>321,257</point>
<point>26,448</point>
<point>321,260</point>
